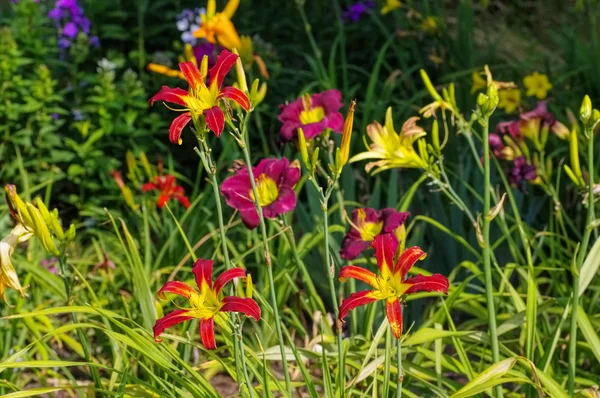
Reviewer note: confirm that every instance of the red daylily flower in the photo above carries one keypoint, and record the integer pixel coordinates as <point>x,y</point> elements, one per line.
<point>391,284</point>
<point>205,304</point>
<point>202,98</point>
<point>167,185</point>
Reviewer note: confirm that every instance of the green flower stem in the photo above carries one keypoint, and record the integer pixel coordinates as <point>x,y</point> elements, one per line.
<point>580,257</point>
<point>313,42</point>
<point>81,336</point>
<point>182,233</point>
<point>487,254</point>
<point>211,170</point>
<point>400,370</point>
<point>267,255</point>
<point>243,356</point>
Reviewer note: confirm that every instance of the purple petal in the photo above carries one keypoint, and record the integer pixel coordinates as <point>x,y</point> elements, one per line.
<point>250,218</point>
<point>335,122</point>
<point>285,202</point>
<point>352,247</point>
<point>70,30</point>
<point>392,219</point>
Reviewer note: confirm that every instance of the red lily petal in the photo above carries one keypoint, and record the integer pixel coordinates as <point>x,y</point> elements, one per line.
<point>385,248</point>
<point>149,186</point>
<point>433,283</point>
<point>393,310</point>
<point>203,271</point>
<point>180,288</point>
<point>215,120</point>
<point>224,62</point>
<point>237,95</point>
<point>169,320</point>
<point>192,74</point>
<point>246,306</point>
<point>407,259</point>
<point>185,202</point>
<point>227,276</point>
<point>168,94</point>
<point>354,300</point>
<point>177,125</point>
<point>162,200</point>
<point>358,273</point>
<point>207,333</point>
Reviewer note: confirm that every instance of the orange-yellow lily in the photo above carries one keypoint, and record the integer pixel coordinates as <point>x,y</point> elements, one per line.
<point>217,26</point>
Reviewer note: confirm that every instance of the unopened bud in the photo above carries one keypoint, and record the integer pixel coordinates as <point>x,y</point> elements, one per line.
<point>70,235</point>
<point>585,112</point>
<point>302,147</point>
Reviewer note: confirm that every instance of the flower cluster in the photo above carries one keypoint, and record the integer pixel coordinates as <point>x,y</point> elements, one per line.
<point>392,283</point>
<point>274,179</point>
<point>356,11</point>
<point>313,114</point>
<point>188,22</point>
<point>70,20</point>
<point>205,303</point>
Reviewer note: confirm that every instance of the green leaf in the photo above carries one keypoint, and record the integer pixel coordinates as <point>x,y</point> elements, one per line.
<point>490,377</point>
<point>590,266</point>
<point>588,331</point>
<point>426,335</point>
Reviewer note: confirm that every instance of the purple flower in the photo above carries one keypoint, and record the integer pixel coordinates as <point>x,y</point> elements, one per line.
<point>356,11</point>
<point>70,30</point>
<point>64,43</point>
<point>205,48</point>
<point>275,180</point>
<point>498,148</point>
<point>50,264</point>
<point>521,171</point>
<point>313,113</point>
<point>94,41</point>
<point>531,123</point>
<point>366,224</point>
<point>55,13</point>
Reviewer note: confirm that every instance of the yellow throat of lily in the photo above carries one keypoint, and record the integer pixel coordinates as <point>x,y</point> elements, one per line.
<point>267,190</point>
<point>309,114</point>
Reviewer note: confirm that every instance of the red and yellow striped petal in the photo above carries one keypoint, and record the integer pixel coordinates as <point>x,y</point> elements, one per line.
<point>207,333</point>
<point>227,276</point>
<point>420,283</point>
<point>192,74</point>
<point>176,287</point>
<point>393,310</point>
<point>215,120</point>
<point>385,248</point>
<point>203,271</point>
<point>224,62</point>
<point>172,95</point>
<point>358,273</point>
<point>354,300</point>
<point>237,95</point>
<point>246,306</point>
<point>407,259</point>
<point>177,126</point>
<point>169,320</point>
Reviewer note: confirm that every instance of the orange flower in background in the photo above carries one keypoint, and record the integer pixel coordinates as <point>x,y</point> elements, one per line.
<point>216,27</point>
<point>391,284</point>
<point>168,188</point>
<point>206,303</point>
<point>202,99</point>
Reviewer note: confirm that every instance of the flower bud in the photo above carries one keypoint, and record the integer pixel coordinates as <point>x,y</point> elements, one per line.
<point>55,224</point>
<point>204,67</point>
<point>494,211</point>
<point>240,72</point>
<point>429,86</point>
<point>585,112</point>
<point>344,150</point>
<point>435,137</point>
<point>249,286</point>
<point>302,147</point>
<point>41,230</point>
<point>70,235</point>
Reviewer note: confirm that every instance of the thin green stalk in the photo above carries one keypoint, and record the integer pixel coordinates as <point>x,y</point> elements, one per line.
<point>182,233</point>
<point>243,356</point>
<point>487,268</point>
<point>267,255</point>
<point>387,363</point>
<point>81,336</point>
<point>580,258</point>
<point>312,41</point>
<point>400,370</point>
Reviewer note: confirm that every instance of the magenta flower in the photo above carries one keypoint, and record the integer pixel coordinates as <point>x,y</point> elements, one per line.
<point>366,224</point>
<point>313,113</point>
<point>275,180</point>
<point>522,171</point>
<point>531,123</point>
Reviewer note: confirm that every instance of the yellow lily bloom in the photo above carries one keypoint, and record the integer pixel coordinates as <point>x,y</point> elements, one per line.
<point>217,26</point>
<point>392,150</point>
<point>479,83</point>
<point>8,275</point>
<point>537,85</point>
<point>510,99</point>
<point>390,5</point>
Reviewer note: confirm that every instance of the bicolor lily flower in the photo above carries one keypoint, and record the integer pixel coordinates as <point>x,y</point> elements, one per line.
<point>168,188</point>
<point>391,284</point>
<point>202,98</point>
<point>392,150</point>
<point>366,224</point>
<point>275,180</point>
<point>314,114</point>
<point>216,27</point>
<point>206,303</point>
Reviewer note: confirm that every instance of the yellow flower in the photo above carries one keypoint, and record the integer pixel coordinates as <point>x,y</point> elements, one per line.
<point>479,83</point>
<point>390,5</point>
<point>8,275</point>
<point>510,99</point>
<point>392,150</point>
<point>537,85</point>
<point>217,26</point>
<point>429,25</point>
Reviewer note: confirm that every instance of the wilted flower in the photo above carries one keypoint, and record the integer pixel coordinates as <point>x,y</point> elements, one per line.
<point>510,99</point>
<point>206,303</point>
<point>537,85</point>
<point>125,190</point>
<point>357,10</point>
<point>168,188</point>
<point>275,180</point>
<point>390,148</point>
<point>202,99</point>
<point>366,224</point>
<point>314,114</point>
<point>522,171</point>
<point>391,284</point>
<point>216,27</point>
<point>8,275</point>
